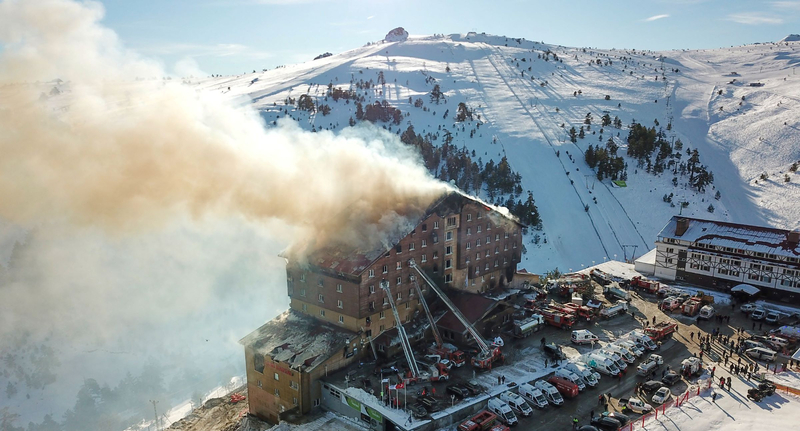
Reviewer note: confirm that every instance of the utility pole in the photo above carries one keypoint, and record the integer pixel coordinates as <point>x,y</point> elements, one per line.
<point>154,412</point>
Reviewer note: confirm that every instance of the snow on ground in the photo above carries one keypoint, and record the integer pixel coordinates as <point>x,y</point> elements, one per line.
<point>523,101</point>
<point>732,411</point>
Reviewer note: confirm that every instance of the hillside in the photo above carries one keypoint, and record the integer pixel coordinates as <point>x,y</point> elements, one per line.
<point>525,96</point>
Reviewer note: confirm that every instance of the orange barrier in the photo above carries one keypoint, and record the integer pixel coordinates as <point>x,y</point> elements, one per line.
<point>787,389</point>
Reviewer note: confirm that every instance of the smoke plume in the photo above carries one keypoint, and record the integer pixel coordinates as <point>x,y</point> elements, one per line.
<point>143,213</point>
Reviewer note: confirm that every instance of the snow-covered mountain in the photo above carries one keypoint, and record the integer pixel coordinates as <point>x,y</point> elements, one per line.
<point>734,105</point>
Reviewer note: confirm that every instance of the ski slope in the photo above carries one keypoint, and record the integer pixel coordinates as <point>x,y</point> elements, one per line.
<point>522,110</point>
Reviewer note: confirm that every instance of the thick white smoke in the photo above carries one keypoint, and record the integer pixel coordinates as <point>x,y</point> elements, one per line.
<point>150,211</point>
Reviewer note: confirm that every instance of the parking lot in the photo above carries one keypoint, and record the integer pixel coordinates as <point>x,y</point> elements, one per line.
<point>525,356</point>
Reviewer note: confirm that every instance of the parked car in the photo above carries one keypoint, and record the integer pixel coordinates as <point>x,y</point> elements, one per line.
<point>772,317</point>
<point>473,387</point>
<point>661,396</point>
<point>606,423</point>
<point>554,351</point>
<point>418,411</point>
<point>748,308</point>
<point>588,428</point>
<point>622,418</point>
<point>758,314</point>
<point>459,391</point>
<point>651,387</point>
<point>671,378</point>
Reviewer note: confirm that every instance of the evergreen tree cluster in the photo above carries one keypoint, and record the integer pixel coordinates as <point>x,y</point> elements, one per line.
<point>497,180</point>
<point>607,162</point>
<point>379,111</point>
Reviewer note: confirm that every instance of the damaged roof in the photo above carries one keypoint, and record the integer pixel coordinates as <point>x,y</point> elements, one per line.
<point>732,235</point>
<point>472,306</point>
<point>298,340</point>
<point>347,259</point>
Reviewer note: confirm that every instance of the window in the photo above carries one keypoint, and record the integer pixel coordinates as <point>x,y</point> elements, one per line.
<point>385,269</point>
<point>469,231</point>
<point>469,245</point>
<point>448,250</point>
<point>469,217</point>
<point>316,402</point>
<point>398,248</point>
<point>321,298</point>
<point>487,253</point>
<point>424,227</point>
<point>435,254</point>
<point>341,319</point>
<point>305,308</point>
<point>496,250</point>
<point>277,377</point>
<point>505,234</point>
<point>319,282</point>
<point>303,292</point>
<point>303,277</point>
<point>371,288</point>
<point>448,236</point>
<point>496,263</point>
<point>448,278</point>
<point>259,383</point>
<point>477,256</point>
<point>479,214</point>
<point>451,221</point>
<point>385,301</point>
<point>371,308</point>
<point>478,242</point>
<point>399,280</point>
<point>399,296</point>
<point>339,288</point>
<point>294,400</point>
<point>339,303</point>
<point>487,266</point>
<point>448,264</point>
<point>411,247</point>
<point>424,243</point>
<point>488,239</point>
<point>424,258</point>
<point>435,238</point>
<point>383,315</point>
<point>505,246</point>
<point>322,312</point>
<point>371,273</point>
<point>399,265</point>
<point>277,393</point>
<point>408,305</point>
<point>488,226</point>
<point>436,225</point>
<point>497,237</point>
<point>479,228</point>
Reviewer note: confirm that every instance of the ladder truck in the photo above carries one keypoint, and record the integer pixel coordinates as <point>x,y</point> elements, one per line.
<point>401,331</point>
<point>444,350</point>
<point>489,354</point>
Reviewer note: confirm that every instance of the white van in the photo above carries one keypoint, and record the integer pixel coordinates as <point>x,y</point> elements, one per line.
<point>761,354</point>
<point>503,411</point>
<point>706,313</point>
<point>517,403</point>
<point>610,354</point>
<point>550,392</point>
<point>533,395</point>
<point>624,353</point>
<point>590,378</point>
<point>643,340</point>
<point>630,345</point>
<point>583,336</point>
<point>601,364</point>
<point>572,377</point>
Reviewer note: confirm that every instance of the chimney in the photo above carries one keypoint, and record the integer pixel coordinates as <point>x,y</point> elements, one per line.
<point>793,237</point>
<point>681,226</point>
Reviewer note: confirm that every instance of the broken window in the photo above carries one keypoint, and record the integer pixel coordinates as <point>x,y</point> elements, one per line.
<point>258,364</point>
<point>424,227</point>
<point>398,248</point>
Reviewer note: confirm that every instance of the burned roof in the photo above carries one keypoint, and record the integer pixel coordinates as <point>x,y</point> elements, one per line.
<point>352,260</point>
<point>472,306</point>
<point>761,239</point>
<point>298,340</point>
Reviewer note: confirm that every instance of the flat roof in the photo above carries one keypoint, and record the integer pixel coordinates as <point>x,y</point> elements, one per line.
<point>298,340</point>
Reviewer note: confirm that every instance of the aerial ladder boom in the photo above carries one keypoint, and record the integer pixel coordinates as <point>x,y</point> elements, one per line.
<point>401,331</point>
<point>484,346</point>
<point>434,329</point>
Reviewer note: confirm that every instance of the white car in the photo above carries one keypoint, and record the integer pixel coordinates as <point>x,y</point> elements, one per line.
<point>661,396</point>
<point>748,308</point>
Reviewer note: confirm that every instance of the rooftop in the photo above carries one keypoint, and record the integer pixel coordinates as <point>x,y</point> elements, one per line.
<point>354,260</point>
<point>732,235</point>
<point>472,306</point>
<point>298,340</point>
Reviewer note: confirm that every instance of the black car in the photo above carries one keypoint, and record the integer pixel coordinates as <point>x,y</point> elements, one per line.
<point>650,387</point>
<point>473,387</point>
<point>623,419</point>
<point>606,423</point>
<point>418,411</point>
<point>458,390</point>
<point>554,351</point>
<point>588,428</point>
<point>671,378</point>
<point>386,371</point>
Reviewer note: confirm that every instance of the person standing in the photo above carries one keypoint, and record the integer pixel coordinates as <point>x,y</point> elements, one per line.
<point>574,423</point>
<point>714,397</point>
<point>729,383</point>
<point>591,415</point>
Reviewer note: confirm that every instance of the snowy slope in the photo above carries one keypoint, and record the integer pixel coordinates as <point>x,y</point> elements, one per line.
<point>522,111</point>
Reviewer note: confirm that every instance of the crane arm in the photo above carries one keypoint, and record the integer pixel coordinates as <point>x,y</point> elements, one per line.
<point>434,329</point>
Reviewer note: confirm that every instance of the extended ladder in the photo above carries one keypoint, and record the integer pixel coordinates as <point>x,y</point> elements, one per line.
<point>401,331</point>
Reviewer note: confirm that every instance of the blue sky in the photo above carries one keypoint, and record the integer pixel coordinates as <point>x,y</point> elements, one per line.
<point>234,36</point>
